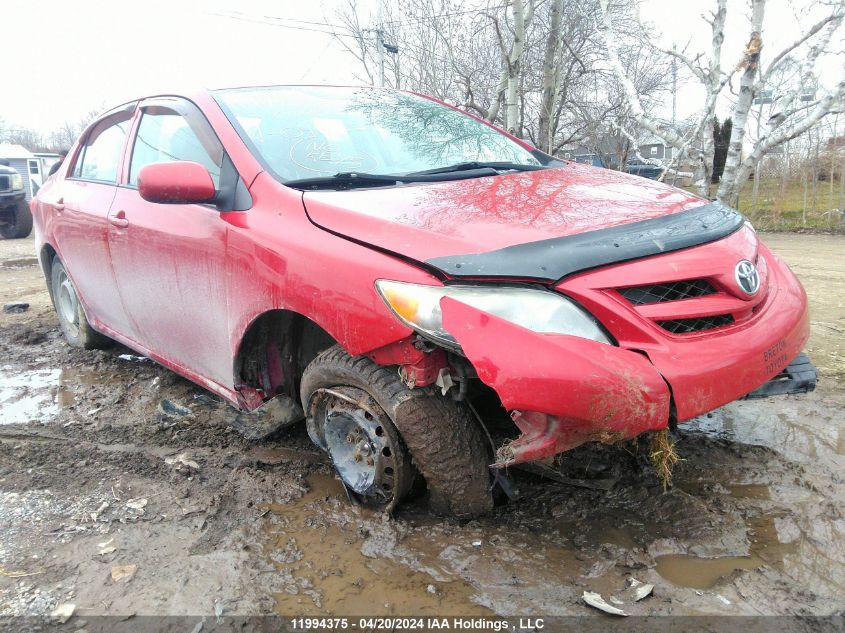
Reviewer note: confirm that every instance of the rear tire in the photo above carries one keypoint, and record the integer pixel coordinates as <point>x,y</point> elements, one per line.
<point>75,326</point>
<point>18,222</point>
<point>442,437</point>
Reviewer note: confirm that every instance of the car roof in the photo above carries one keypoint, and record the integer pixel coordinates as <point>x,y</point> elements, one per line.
<point>193,93</point>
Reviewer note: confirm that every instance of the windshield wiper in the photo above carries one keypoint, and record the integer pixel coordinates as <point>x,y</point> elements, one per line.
<point>350,179</point>
<point>497,165</point>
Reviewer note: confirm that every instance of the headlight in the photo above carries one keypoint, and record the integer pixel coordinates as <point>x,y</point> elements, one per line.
<point>541,311</point>
<point>17,181</point>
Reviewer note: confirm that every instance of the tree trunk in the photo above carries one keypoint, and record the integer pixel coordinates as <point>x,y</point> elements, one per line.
<point>731,178</point>
<point>551,78</point>
<point>833,154</point>
<point>514,62</point>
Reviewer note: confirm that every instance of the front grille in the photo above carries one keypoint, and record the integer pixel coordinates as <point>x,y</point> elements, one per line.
<point>5,183</point>
<point>698,324</point>
<point>670,291</point>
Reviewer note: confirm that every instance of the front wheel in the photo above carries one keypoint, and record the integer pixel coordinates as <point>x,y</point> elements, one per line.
<point>78,332</point>
<point>16,221</point>
<point>379,434</point>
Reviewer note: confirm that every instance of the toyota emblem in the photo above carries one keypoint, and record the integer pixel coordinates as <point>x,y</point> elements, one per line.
<point>747,277</point>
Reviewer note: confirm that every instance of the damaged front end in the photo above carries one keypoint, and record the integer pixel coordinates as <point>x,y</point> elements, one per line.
<point>562,390</point>
<point>554,368</point>
<point>602,336</point>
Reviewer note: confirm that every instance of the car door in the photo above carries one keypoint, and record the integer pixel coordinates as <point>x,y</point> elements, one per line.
<point>169,259</point>
<point>80,205</point>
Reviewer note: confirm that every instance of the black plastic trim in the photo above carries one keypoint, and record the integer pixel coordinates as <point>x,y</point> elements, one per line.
<point>559,257</point>
<point>799,376</point>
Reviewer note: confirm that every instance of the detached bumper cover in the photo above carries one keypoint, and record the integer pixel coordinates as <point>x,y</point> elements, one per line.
<point>798,377</point>
<point>563,390</point>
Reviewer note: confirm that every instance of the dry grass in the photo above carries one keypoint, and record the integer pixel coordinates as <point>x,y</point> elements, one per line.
<point>790,207</point>
<point>785,208</point>
<point>663,456</point>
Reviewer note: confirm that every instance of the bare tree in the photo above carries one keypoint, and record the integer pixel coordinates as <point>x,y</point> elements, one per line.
<point>511,34</point>
<point>797,109</point>
<point>25,137</point>
<point>796,117</point>
<point>697,144</point>
<point>531,66</point>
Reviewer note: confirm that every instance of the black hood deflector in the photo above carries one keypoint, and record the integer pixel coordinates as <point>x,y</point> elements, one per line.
<point>556,258</point>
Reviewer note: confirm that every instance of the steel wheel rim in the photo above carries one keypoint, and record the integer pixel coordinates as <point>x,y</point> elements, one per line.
<point>364,447</point>
<point>68,304</point>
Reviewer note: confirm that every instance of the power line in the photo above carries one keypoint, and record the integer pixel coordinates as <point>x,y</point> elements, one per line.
<point>282,26</point>
<point>350,34</point>
<point>239,15</point>
<point>437,17</point>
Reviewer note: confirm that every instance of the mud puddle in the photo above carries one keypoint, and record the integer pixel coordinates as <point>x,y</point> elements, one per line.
<point>766,548</point>
<point>338,558</point>
<point>799,428</point>
<point>324,570</point>
<point>39,395</point>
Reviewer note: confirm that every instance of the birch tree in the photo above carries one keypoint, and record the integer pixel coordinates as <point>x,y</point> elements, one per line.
<point>510,37</point>
<point>794,118</point>
<point>796,111</point>
<point>530,66</point>
<point>695,145</point>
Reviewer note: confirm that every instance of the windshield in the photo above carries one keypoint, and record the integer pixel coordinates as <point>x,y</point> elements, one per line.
<point>307,132</point>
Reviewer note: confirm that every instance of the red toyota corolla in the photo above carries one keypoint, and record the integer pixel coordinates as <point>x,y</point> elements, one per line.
<point>405,277</point>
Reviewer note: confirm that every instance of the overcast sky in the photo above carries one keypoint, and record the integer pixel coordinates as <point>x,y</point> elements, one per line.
<point>88,54</point>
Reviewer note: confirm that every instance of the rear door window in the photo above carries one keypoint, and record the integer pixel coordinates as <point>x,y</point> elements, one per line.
<point>99,158</point>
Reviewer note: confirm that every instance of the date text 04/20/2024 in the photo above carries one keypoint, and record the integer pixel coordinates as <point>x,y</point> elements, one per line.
<point>419,624</point>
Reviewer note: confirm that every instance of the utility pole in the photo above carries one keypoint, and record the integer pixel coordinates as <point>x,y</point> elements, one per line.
<point>764,97</point>
<point>674,107</point>
<point>674,88</point>
<point>380,43</point>
<point>380,49</point>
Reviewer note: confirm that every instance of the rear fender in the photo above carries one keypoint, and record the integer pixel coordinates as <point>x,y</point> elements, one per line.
<point>561,390</point>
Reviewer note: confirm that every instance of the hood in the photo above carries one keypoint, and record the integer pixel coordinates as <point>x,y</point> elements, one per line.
<point>432,221</point>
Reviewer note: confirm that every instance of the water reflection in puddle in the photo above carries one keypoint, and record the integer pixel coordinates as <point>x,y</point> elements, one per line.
<point>701,573</point>
<point>803,429</point>
<point>27,395</point>
<point>323,570</point>
<point>39,394</point>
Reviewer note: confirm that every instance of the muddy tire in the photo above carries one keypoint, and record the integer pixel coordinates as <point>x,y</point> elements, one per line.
<point>75,326</point>
<point>17,222</point>
<point>442,437</point>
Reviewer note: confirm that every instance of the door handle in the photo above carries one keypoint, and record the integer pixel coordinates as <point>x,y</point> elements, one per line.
<point>59,205</point>
<point>119,219</point>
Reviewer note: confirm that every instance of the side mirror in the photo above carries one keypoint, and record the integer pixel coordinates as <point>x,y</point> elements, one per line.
<point>180,182</point>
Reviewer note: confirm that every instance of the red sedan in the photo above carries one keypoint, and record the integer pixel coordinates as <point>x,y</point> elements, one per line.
<point>404,277</point>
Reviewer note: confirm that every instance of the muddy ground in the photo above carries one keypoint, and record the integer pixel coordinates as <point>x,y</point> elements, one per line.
<point>118,507</point>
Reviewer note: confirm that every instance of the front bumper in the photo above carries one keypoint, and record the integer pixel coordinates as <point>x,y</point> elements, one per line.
<point>8,199</point>
<point>563,391</point>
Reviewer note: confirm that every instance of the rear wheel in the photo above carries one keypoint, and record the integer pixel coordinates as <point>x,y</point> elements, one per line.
<point>16,221</point>
<point>78,332</point>
<point>379,434</point>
